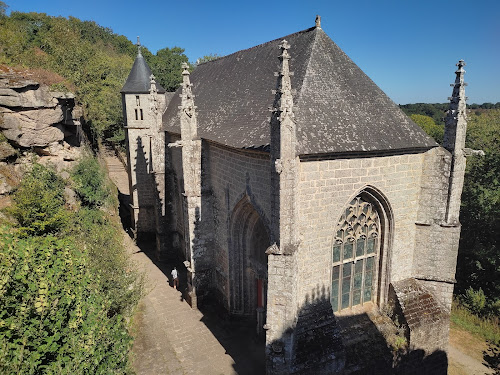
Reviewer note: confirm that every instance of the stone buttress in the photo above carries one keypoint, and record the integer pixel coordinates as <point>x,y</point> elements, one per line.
<point>282,268</point>
<point>424,303</point>
<point>191,167</point>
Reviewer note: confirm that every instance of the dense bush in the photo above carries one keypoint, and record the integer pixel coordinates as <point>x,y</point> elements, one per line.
<point>90,182</point>
<point>39,202</point>
<point>65,291</point>
<point>53,319</point>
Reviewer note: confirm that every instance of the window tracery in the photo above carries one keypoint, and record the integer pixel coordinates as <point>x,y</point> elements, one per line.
<point>354,255</point>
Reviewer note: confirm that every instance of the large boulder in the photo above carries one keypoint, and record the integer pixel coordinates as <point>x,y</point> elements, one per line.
<point>33,116</point>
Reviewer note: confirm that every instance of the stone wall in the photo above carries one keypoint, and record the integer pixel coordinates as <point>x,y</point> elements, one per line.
<point>327,186</point>
<point>234,176</point>
<point>173,196</point>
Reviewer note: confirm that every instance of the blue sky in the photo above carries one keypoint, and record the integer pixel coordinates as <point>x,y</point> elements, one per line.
<point>408,48</point>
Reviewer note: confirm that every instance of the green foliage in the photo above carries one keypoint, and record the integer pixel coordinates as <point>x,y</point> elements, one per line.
<point>39,202</point>
<point>65,297</point>
<point>486,327</point>
<point>3,9</point>
<point>475,301</point>
<point>429,126</point>
<point>90,182</point>
<point>478,261</point>
<point>91,57</point>
<point>52,317</point>
<point>206,58</point>
<point>166,66</point>
<point>436,111</point>
<point>103,240</point>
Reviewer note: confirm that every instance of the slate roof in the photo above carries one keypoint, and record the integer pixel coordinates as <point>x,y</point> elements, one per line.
<point>138,81</point>
<point>337,107</point>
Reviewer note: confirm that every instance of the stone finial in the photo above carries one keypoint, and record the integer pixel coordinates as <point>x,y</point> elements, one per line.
<point>318,21</point>
<point>138,44</point>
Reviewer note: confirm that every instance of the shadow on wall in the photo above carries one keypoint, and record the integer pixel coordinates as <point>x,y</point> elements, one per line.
<point>360,344</point>
<point>145,187</point>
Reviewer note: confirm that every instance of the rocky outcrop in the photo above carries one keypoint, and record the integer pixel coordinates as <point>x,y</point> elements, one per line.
<point>33,116</point>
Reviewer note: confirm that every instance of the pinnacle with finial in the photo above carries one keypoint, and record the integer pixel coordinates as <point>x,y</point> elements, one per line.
<point>138,44</point>
<point>318,21</point>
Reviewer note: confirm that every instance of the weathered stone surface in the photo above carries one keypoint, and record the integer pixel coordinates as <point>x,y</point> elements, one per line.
<point>33,116</point>
<point>40,97</point>
<point>6,150</point>
<point>33,127</point>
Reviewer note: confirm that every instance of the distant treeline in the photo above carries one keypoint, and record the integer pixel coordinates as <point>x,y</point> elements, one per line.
<point>437,111</point>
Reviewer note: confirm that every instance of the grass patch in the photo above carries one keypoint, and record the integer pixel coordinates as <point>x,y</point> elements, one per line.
<point>485,327</point>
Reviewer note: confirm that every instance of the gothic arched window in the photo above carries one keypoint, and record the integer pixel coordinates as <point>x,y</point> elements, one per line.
<point>355,255</point>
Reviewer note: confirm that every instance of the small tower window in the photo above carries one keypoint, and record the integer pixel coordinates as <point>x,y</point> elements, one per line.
<point>142,116</point>
<point>136,116</point>
<point>137,100</point>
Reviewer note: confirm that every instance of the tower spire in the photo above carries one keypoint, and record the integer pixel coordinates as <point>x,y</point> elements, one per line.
<point>138,44</point>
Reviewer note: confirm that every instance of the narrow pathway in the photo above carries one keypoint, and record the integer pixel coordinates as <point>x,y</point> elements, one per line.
<point>170,336</point>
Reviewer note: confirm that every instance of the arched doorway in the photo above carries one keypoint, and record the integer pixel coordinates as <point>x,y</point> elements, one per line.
<point>248,261</point>
<point>360,252</point>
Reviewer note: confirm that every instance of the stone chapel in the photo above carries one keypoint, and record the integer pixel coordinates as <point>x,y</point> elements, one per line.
<point>301,197</point>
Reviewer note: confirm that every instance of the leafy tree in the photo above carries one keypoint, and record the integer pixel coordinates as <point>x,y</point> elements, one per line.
<point>94,59</point>
<point>429,126</point>
<point>166,66</point>
<point>436,111</point>
<point>478,262</point>
<point>206,58</point>
<point>3,9</point>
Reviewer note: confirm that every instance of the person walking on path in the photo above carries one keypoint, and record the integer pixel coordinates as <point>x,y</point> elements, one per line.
<point>175,278</point>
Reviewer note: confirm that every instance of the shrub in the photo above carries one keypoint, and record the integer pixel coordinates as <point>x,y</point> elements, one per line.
<point>475,301</point>
<point>90,182</point>
<point>52,317</point>
<point>100,236</point>
<point>39,202</point>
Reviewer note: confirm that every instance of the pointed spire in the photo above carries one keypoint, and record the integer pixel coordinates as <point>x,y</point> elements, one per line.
<point>318,21</point>
<point>456,122</point>
<point>138,44</point>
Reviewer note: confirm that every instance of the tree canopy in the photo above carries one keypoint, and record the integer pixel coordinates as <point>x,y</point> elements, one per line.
<point>90,57</point>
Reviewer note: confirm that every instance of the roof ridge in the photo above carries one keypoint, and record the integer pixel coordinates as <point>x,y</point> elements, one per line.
<point>260,45</point>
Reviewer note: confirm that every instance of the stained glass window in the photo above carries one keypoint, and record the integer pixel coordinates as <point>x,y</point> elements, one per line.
<point>355,255</point>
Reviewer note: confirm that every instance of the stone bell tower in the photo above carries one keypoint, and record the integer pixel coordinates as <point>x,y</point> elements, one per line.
<point>143,103</point>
